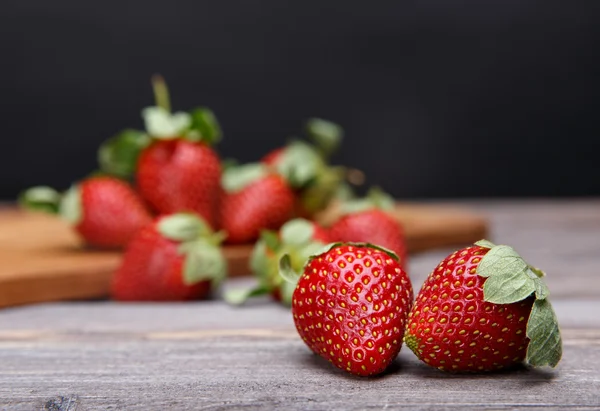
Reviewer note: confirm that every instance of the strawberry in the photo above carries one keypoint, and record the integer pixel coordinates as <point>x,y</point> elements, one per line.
<point>305,166</point>
<point>368,220</point>
<point>174,258</point>
<point>180,175</point>
<point>484,308</point>
<point>174,165</point>
<point>300,239</point>
<point>106,212</point>
<point>350,306</point>
<point>254,199</point>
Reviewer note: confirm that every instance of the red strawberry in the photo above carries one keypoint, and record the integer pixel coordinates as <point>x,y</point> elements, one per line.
<point>180,175</point>
<point>105,212</point>
<point>174,166</point>
<point>366,220</point>
<point>176,257</point>
<point>483,308</point>
<point>255,199</point>
<point>350,306</point>
<point>179,171</point>
<point>299,239</point>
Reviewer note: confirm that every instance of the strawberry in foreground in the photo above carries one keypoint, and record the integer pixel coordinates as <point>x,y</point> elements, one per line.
<point>254,199</point>
<point>299,239</point>
<point>175,166</point>
<point>176,257</point>
<point>350,306</point>
<point>106,212</point>
<point>484,308</point>
<point>369,220</point>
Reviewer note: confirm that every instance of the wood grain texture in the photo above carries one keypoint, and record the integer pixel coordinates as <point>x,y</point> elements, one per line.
<point>43,260</point>
<point>207,355</point>
<point>210,356</point>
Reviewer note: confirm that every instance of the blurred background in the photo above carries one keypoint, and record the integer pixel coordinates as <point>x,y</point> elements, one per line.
<point>438,99</point>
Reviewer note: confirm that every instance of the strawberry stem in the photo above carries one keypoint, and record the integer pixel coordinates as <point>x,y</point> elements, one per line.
<point>161,92</point>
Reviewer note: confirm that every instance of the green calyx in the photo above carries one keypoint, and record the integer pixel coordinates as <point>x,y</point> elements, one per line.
<point>200,124</point>
<point>317,195</point>
<point>295,240</point>
<point>200,246</point>
<point>375,198</point>
<point>236,178</point>
<point>46,199</point>
<point>40,198</point>
<point>326,135</point>
<point>300,164</point>
<point>118,155</point>
<point>510,279</point>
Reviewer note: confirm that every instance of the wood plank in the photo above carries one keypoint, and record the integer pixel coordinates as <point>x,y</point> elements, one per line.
<point>43,260</point>
<point>210,356</point>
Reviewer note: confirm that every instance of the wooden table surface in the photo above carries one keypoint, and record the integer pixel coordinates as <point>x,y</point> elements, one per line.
<point>206,355</point>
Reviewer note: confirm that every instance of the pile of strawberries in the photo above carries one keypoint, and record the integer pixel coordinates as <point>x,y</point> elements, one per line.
<point>165,196</point>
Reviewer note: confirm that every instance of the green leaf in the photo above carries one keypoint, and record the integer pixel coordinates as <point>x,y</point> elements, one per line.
<point>541,289</point>
<point>326,135</point>
<point>286,271</point>
<point>183,227</point>
<point>163,125</point>
<point>545,346</point>
<point>501,259</point>
<point>203,261</point>
<point>258,258</point>
<point>241,295</point>
<point>70,208</point>
<point>205,126</point>
<point>237,178</point>
<point>507,288</point>
<point>299,164</point>
<point>485,244</point>
<point>297,232</point>
<point>319,192</point>
<point>40,198</point>
<point>271,239</point>
<point>118,155</point>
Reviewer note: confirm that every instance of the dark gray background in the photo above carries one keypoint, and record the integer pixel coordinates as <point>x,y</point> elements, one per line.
<point>438,98</point>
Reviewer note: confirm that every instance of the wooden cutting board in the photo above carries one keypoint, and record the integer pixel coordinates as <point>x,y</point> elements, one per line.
<point>42,260</point>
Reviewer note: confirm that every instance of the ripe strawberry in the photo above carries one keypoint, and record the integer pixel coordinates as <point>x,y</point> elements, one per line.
<point>299,239</point>
<point>255,199</point>
<point>180,175</point>
<point>176,257</point>
<point>350,306</point>
<point>174,165</point>
<point>105,211</point>
<point>366,220</point>
<point>483,308</point>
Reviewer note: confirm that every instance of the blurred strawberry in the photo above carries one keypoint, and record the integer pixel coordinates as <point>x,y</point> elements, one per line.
<point>254,199</point>
<point>176,257</point>
<point>105,211</point>
<point>174,165</point>
<point>368,220</point>
<point>298,238</point>
<point>305,166</point>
